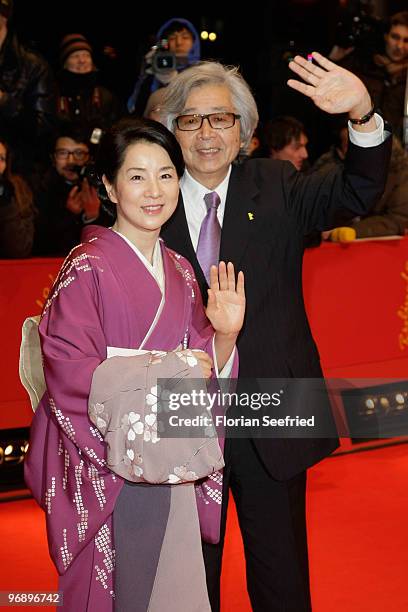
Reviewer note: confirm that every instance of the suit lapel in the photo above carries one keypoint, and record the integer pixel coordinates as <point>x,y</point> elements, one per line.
<point>239,207</point>
<point>177,236</point>
<point>236,226</point>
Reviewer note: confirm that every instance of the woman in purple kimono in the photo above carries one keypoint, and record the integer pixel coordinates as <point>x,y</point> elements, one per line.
<point>124,504</point>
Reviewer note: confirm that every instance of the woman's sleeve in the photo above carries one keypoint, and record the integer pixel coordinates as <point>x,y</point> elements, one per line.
<point>135,404</point>
<point>73,345</point>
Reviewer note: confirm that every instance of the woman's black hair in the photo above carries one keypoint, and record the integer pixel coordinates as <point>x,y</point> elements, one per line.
<point>118,138</point>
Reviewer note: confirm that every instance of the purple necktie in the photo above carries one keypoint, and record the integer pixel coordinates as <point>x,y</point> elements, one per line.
<point>208,248</point>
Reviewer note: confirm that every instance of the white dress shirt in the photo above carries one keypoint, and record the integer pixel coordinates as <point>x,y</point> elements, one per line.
<point>193,191</point>
<point>368,139</point>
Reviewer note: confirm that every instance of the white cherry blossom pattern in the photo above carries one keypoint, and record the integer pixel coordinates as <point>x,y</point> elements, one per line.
<point>152,397</point>
<point>133,461</point>
<point>158,399</point>
<point>187,357</point>
<point>132,425</point>
<point>98,417</point>
<point>181,474</point>
<point>150,428</point>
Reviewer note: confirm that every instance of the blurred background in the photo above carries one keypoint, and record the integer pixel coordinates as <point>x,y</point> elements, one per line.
<point>256,39</point>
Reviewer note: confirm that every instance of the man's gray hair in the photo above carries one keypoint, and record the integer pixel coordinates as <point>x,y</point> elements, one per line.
<point>211,73</point>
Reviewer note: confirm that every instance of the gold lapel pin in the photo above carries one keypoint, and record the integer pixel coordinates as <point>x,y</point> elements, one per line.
<point>251,216</point>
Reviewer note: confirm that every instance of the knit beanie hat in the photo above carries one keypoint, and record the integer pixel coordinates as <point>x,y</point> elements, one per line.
<point>71,43</point>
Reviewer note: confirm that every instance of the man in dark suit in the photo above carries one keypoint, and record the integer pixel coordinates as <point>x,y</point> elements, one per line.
<point>261,210</point>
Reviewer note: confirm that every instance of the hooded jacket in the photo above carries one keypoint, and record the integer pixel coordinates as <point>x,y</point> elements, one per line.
<point>148,83</point>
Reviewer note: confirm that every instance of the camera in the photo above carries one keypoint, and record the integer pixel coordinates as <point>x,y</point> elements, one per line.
<point>81,172</point>
<point>88,172</point>
<point>162,60</point>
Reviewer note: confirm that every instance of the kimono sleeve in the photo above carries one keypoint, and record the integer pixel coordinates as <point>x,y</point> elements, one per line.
<point>133,413</point>
<point>201,331</point>
<point>73,345</point>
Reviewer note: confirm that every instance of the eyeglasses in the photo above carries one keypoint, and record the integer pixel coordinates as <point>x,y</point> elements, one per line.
<point>79,155</point>
<point>218,121</point>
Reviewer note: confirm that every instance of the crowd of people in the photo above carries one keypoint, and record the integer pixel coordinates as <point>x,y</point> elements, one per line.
<point>39,111</point>
<point>51,126</point>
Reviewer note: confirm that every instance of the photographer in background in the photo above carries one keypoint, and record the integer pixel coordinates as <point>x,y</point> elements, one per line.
<point>16,210</point>
<point>382,67</point>
<point>177,46</point>
<point>66,199</point>
<point>82,100</point>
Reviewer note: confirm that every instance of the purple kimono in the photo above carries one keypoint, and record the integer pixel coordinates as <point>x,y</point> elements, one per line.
<point>105,296</point>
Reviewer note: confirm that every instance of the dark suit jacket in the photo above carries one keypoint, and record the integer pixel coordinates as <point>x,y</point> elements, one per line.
<point>285,205</point>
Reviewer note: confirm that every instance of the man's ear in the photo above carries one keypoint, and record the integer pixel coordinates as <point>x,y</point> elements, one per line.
<point>110,190</point>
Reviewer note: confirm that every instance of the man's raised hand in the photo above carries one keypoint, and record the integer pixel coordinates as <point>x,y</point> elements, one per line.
<point>332,88</point>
